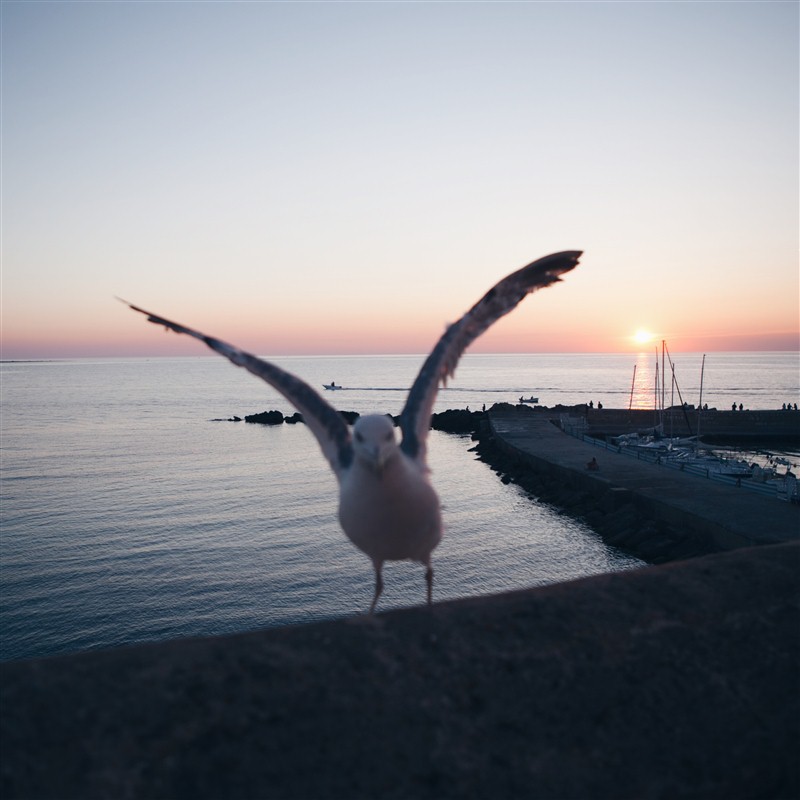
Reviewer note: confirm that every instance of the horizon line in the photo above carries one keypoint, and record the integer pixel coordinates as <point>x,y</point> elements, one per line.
<point>648,352</point>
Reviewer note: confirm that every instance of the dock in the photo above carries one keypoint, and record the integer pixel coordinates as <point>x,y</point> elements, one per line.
<point>653,511</point>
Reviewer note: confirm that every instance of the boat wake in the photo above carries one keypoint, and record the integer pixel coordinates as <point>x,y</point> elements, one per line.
<point>462,389</point>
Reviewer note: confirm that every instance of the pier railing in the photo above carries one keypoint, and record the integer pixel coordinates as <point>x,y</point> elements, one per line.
<point>785,490</point>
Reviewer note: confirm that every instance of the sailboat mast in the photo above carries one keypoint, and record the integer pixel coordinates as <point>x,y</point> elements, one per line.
<point>655,397</point>
<point>633,383</point>
<point>702,371</point>
<point>700,401</point>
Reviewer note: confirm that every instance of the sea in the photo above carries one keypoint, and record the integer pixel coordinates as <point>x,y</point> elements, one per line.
<point>132,510</point>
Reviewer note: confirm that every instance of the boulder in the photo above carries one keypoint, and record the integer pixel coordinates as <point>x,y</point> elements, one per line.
<point>266,418</point>
<point>457,420</point>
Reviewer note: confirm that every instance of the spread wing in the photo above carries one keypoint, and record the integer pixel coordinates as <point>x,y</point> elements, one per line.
<point>441,363</point>
<point>324,421</point>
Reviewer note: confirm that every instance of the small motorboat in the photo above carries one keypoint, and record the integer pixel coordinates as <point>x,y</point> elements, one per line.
<point>529,399</point>
<point>332,386</point>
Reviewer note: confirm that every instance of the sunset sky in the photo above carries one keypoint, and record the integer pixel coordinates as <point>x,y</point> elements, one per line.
<point>349,177</point>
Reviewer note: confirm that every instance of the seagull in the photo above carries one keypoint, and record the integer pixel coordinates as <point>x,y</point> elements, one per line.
<point>387,506</point>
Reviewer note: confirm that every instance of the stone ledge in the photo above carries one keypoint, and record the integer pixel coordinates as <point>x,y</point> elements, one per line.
<point>677,681</point>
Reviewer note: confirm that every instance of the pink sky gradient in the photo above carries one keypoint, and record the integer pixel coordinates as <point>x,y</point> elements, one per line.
<point>522,332</point>
<point>309,178</point>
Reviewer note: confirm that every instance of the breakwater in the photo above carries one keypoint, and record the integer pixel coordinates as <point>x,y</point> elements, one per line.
<point>654,513</point>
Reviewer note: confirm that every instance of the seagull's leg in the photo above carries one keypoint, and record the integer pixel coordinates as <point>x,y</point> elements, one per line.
<point>378,585</point>
<point>429,581</point>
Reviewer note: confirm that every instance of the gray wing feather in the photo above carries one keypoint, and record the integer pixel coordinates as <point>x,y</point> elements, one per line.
<point>441,363</point>
<point>324,421</point>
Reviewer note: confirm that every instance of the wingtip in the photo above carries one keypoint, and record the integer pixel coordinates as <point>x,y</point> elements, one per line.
<point>132,306</point>
<point>127,302</point>
<point>574,256</point>
<point>555,264</point>
<point>569,256</point>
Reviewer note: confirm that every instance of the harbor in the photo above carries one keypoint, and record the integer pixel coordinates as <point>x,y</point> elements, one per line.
<point>657,513</point>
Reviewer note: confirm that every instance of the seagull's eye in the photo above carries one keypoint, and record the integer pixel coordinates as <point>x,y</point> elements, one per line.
<point>388,437</point>
<point>359,437</point>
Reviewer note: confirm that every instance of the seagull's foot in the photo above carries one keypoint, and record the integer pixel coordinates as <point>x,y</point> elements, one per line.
<point>429,582</point>
<point>378,589</point>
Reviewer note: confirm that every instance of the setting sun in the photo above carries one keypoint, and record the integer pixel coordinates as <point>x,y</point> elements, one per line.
<point>642,336</point>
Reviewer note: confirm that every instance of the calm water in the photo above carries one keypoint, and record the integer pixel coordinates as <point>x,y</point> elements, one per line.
<point>128,515</point>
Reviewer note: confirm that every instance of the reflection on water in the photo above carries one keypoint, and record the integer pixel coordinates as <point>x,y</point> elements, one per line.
<point>660,382</point>
<point>643,382</point>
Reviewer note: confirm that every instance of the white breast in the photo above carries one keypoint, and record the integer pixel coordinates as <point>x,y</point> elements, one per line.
<point>393,515</point>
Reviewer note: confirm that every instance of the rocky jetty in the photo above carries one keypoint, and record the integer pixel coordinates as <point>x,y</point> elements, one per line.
<point>617,518</point>
<point>457,420</point>
<point>655,513</point>
<point>277,418</point>
<point>452,421</point>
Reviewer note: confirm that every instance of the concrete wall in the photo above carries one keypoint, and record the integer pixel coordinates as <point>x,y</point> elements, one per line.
<point>671,682</point>
<point>734,424</point>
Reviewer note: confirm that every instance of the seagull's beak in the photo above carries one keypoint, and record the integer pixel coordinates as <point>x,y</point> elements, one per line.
<point>379,458</point>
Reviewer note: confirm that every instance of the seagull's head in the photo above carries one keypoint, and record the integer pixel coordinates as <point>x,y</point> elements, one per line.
<point>373,441</point>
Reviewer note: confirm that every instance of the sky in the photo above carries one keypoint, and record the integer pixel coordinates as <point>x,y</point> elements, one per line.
<point>349,177</point>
